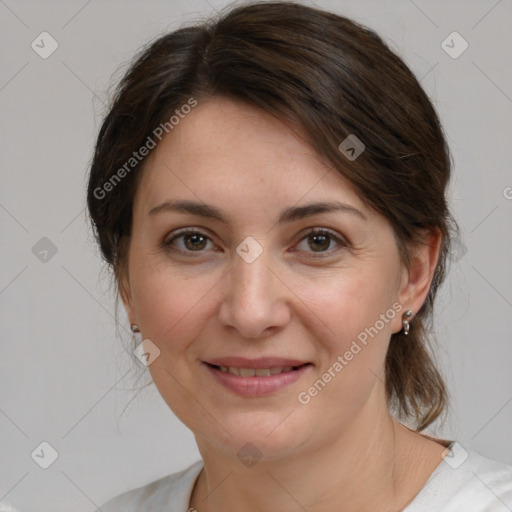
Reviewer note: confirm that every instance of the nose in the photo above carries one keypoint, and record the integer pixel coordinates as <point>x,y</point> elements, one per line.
<point>254,299</point>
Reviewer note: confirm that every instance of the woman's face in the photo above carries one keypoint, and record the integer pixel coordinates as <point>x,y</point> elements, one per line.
<point>252,288</point>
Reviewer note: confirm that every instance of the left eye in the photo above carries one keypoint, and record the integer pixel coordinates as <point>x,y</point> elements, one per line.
<point>321,239</point>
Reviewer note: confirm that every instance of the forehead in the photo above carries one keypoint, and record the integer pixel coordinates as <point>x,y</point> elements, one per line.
<point>234,152</point>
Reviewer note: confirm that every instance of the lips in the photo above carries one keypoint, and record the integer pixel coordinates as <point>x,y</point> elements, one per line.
<point>262,362</point>
<point>256,372</point>
<point>256,377</point>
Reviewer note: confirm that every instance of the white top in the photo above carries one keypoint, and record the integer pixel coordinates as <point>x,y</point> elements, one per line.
<point>464,481</point>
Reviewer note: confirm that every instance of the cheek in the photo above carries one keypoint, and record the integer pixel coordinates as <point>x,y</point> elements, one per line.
<point>172,311</point>
<point>170,307</point>
<point>351,305</point>
<point>357,308</point>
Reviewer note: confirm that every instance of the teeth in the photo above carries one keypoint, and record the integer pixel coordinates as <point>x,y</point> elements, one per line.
<point>259,372</point>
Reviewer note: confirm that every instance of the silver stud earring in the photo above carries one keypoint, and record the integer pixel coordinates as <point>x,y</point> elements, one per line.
<point>405,322</point>
<point>135,328</point>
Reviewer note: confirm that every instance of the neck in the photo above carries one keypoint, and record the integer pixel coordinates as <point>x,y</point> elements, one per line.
<point>362,470</point>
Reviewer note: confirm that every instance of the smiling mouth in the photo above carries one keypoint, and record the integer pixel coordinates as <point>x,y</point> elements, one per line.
<point>256,372</point>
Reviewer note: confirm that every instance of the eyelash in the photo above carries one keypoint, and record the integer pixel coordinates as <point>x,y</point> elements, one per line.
<point>167,244</point>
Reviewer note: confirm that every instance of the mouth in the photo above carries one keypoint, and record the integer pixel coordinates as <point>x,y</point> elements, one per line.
<point>256,378</point>
<point>256,372</point>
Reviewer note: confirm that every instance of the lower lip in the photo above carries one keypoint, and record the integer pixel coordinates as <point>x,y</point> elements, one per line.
<point>257,386</point>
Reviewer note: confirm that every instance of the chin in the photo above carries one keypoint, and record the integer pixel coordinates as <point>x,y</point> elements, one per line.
<point>256,435</point>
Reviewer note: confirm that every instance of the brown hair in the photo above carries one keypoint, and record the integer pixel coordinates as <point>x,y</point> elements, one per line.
<point>331,77</point>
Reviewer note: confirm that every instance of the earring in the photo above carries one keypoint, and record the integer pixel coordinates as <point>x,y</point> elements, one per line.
<point>135,328</point>
<point>405,322</point>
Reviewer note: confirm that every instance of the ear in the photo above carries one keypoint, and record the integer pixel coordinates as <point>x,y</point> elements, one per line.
<point>417,276</point>
<point>125,293</point>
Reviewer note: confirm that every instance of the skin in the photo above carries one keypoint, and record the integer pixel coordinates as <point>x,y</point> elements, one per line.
<point>301,298</point>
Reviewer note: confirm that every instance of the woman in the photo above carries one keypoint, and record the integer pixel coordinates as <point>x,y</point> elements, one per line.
<point>269,188</point>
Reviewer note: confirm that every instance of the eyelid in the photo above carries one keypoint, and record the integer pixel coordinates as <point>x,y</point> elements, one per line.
<point>184,231</point>
<point>170,237</point>
<point>340,239</point>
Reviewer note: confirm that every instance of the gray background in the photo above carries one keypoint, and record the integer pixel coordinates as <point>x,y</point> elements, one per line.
<point>65,377</point>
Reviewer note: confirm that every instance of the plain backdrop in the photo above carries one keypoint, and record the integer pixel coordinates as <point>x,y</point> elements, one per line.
<point>65,376</point>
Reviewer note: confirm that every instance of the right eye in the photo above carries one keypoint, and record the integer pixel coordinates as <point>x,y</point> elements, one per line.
<point>190,241</point>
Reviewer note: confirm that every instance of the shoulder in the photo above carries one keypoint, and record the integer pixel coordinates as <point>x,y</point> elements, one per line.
<point>171,490</point>
<point>466,480</point>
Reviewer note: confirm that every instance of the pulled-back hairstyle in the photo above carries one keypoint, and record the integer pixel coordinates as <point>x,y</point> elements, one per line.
<point>331,77</point>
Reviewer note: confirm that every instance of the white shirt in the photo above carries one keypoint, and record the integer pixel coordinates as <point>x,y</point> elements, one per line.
<point>464,481</point>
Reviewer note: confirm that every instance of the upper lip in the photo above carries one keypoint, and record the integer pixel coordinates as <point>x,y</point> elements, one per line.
<point>262,362</point>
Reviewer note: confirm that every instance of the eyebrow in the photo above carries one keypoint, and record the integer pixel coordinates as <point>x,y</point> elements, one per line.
<point>290,214</point>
